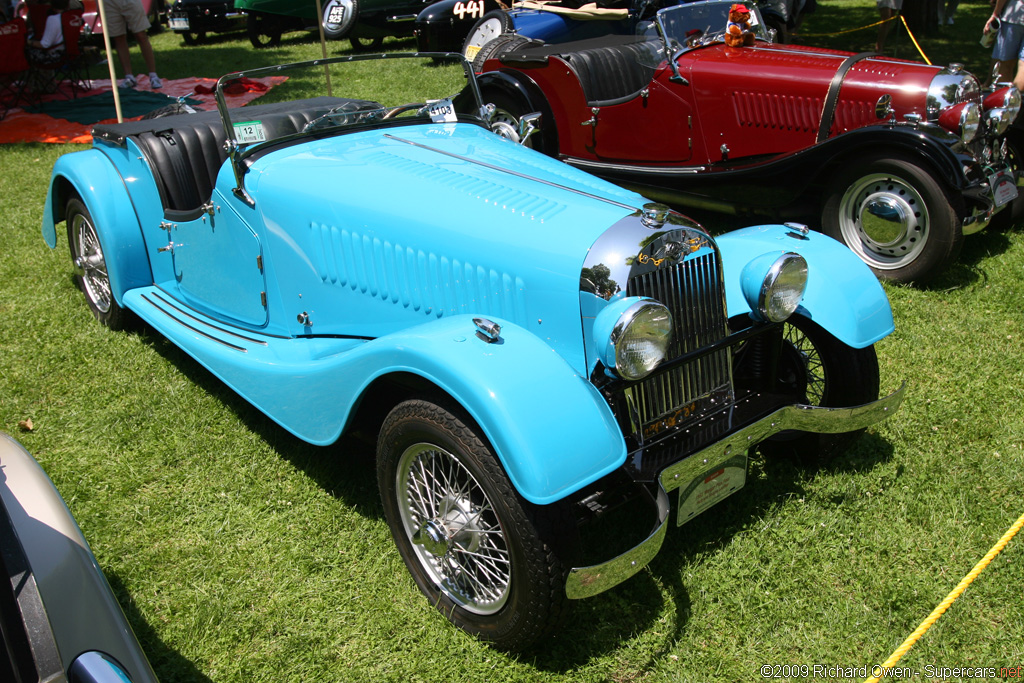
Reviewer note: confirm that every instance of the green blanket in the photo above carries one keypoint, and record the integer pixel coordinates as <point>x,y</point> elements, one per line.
<point>100,107</point>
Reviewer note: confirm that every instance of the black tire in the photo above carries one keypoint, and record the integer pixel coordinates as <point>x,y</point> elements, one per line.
<point>486,558</point>
<point>819,370</point>
<point>487,28</point>
<point>90,266</point>
<point>343,24</point>
<point>506,42</point>
<point>263,30</point>
<point>507,113</point>
<point>194,37</point>
<point>360,44</point>
<point>913,231</point>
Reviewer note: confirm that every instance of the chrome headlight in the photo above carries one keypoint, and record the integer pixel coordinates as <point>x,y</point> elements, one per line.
<point>997,121</point>
<point>1004,98</point>
<point>963,119</point>
<point>774,285</point>
<point>633,335</point>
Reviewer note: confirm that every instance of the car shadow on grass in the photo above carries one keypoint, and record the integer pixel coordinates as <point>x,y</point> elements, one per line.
<point>658,598</point>
<point>346,469</point>
<point>167,663</point>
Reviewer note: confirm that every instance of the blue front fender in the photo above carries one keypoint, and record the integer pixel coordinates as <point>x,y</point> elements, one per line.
<point>843,296</point>
<point>549,426</point>
<point>92,176</point>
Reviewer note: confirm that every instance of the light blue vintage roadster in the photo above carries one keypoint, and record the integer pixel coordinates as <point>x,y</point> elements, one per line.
<point>528,346</point>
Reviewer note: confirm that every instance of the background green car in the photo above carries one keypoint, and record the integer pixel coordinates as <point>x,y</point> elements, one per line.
<point>364,22</point>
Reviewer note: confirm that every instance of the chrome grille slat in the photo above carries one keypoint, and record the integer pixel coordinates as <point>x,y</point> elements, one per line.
<point>692,291</point>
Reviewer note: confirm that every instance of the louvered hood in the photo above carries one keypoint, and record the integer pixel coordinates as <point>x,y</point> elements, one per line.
<point>405,225</point>
<point>769,99</point>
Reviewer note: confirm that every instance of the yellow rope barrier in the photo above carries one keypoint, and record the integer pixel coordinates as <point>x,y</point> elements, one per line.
<point>849,30</point>
<point>914,41</point>
<point>877,23</point>
<point>944,605</point>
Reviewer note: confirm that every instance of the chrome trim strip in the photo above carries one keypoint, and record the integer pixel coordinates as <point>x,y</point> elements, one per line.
<point>584,582</point>
<point>210,325</point>
<point>648,170</point>
<point>169,296</point>
<point>190,327</point>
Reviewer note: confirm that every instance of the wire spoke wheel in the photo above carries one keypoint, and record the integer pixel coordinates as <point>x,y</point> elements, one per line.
<point>90,266</point>
<point>89,263</point>
<point>812,369</point>
<point>818,369</point>
<point>492,562</point>
<point>455,531</point>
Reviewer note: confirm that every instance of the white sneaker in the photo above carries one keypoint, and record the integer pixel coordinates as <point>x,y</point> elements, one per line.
<point>129,82</point>
<point>154,82</point>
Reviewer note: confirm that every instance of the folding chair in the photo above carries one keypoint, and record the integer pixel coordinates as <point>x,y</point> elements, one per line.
<point>14,65</point>
<point>73,66</point>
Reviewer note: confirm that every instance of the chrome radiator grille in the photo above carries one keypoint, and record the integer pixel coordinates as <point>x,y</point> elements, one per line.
<point>693,292</point>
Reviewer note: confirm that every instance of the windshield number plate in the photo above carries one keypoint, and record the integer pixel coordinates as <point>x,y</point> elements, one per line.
<point>713,486</point>
<point>247,132</point>
<point>1004,190</point>
<point>442,111</point>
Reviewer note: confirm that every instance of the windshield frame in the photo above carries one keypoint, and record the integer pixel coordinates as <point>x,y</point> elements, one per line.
<point>676,45</point>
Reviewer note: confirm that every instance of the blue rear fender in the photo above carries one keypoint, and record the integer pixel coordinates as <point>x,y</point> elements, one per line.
<point>549,426</point>
<point>843,296</point>
<point>91,175</point>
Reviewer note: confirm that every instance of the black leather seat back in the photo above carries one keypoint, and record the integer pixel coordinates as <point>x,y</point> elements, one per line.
<point>186,151</point>
<point>613,74</point>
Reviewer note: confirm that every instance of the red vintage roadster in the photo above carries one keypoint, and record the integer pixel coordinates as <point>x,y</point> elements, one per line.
<point>897,159</point>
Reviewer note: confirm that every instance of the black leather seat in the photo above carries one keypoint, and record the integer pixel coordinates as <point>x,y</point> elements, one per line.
<point>611,69</point>
<point>186,151</point>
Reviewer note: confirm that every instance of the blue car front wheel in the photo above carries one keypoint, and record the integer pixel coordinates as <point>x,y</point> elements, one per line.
<point>489,560</point>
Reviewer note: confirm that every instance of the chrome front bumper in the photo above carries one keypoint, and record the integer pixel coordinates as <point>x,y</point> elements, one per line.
<point>584,582</point>
<point>990,198</point>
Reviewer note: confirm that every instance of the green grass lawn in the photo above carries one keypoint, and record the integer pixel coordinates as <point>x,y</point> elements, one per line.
<point>242,554</point>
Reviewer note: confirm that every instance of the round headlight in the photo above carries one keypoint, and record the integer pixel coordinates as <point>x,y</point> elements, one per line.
<point>775,292</point>
<point>638,340</point>
<point>997,121</point>
<point>963,119</point>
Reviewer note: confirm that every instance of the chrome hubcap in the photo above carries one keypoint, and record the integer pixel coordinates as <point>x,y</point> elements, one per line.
<point>90,264</point>
<point>884,220</point>
<point>455,531</point>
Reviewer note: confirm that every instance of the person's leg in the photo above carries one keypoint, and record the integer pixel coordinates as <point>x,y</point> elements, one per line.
<point>887,13</point>
<point>123,56</point>
<point>147,51</point>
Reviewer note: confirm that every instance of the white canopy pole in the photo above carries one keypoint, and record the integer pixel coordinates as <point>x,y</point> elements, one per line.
<point>110,62</point>
<point>323,46</point>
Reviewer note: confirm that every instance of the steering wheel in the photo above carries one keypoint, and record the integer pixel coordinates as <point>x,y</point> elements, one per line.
<point>345,114</point>
<point>402,108</point>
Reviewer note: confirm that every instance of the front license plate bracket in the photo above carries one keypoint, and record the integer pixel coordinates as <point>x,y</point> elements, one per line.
<point>713,485</point>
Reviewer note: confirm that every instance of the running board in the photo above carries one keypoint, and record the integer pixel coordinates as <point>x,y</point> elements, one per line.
<point>273,372</point>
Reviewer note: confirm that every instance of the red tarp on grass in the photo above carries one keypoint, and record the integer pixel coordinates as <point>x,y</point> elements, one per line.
<point>97,106</point>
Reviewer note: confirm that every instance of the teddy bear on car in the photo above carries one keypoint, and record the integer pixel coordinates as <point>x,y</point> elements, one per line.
<point>737,30</point>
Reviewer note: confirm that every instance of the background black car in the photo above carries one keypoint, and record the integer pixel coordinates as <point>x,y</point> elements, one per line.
<point>193,19</point>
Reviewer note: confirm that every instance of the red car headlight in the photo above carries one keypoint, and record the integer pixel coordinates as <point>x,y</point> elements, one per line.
<point>962,119</point>
<point>1001,108</point>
